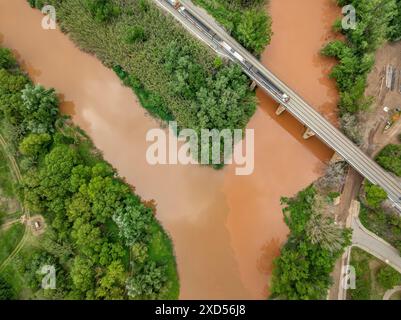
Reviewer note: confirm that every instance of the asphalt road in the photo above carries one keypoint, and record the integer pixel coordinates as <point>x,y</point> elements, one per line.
<point>368,241</point>
<point>305,113</point>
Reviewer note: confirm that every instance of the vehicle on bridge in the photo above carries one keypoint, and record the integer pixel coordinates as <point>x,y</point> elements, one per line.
<point>282,96</point>
<point>175,3</point>
<point>233,52</point>
<point>279,93</point>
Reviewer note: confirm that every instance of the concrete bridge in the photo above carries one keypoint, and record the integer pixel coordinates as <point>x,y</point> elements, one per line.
<point>198,22</point>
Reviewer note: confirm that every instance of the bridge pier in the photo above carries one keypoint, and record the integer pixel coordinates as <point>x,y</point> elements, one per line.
<point>308,134</point>
<point>280,109</point>
<point>336,158</point>
<point>253,85</point>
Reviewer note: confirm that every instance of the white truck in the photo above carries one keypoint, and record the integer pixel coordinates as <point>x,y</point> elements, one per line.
<point>174,3</point>
<point>232,51</point>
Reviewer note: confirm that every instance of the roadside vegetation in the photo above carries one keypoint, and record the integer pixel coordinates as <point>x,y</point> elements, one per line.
<point>376,215</point>
<point>174,75</point>
<point>9,238</point>
<point>104,242</point>
<point>377,21</point>
<point>373,277</point>
<point>246,20</point>
<point>302,271</point>
<point>315,243</point>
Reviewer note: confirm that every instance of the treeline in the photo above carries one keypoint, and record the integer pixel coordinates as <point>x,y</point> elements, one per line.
<point>390,158</point>
<point>246,20</point>
<point>376,21</point>
<point>302,271</point>
<point>103,241</point>
<point>174,75</point>
<point>395,24</point>
<point>371,283</point>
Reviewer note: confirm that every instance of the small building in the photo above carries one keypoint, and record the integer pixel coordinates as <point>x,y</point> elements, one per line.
<point>37,225</point>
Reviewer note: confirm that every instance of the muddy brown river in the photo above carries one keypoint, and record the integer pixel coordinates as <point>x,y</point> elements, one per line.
<point>226,229</point>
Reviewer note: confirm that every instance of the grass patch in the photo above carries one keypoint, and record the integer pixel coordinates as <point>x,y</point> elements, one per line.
<point>160,250</point>
<point>15,275</point>
<point>367,269</point>
<point>149,100</point>
<point>92,216</point>
<point>9,239</point>
<point>390,158</point>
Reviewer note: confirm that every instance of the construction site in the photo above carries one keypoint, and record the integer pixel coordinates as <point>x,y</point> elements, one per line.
<point>382,123</point>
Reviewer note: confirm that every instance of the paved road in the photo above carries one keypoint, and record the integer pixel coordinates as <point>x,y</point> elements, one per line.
<point>198,22</point>
<point>389,293</point>
<point>368,241</point>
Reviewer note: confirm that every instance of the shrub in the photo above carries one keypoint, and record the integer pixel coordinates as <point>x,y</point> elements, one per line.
<point>135,34</point>
<point>375,195</point>
<point>388,278</point>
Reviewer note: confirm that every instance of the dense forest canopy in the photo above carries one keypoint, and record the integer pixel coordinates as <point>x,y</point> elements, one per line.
<point>102,240</point>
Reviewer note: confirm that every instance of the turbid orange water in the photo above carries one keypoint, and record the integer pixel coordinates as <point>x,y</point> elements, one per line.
<point>226,229</point>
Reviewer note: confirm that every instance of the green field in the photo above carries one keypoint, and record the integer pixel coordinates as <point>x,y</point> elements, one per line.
<point>9,239</point>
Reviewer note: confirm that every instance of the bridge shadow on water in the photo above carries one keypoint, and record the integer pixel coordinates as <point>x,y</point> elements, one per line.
<point>293,127</point>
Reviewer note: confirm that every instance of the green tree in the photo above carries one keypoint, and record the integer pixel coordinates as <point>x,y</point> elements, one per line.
<point>112,284</point>
<point>10,97</point>
<point>135,34</point>
<point>83,277</point>
<point>40,109</point>
<point>88,239</point>
<point>103,10</point>
<point>298,210</point>
<point>106,196</point>
<point>395,25</point>
<point>148,282</point>
<point>133,221</point>
<point>321,230</point>
<point>254,29</point>
<point>375,195</point>
<point>302,271</point>
<point>7,60</point>
<point>390,158</point>
<point>35,144</point>
<point>388,278</point>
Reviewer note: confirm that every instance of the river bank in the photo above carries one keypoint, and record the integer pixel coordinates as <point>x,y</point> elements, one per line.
<point>226,229</point>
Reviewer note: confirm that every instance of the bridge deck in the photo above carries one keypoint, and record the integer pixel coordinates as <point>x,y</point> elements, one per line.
<point>296,105</point>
